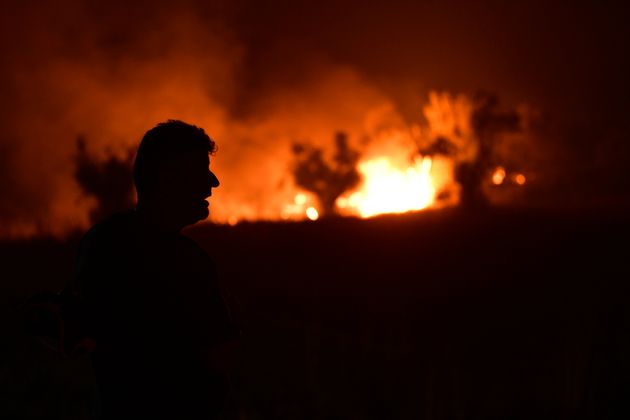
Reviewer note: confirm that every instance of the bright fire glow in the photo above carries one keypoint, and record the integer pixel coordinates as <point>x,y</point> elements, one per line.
<point>498,176</point>
<point>520,179</point>
<point>300,199</point>
<point>387,188</point>
<point>302,205</point>
<point>312,213</point>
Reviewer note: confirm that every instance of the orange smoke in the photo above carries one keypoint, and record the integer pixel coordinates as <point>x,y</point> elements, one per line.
<point>111,95</point>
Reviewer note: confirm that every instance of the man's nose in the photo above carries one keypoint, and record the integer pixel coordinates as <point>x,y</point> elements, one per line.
<point>214,181</point>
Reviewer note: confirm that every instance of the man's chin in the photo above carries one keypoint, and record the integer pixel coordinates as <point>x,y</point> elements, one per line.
<point>204,215</point>
<point>197,213</point>
<point>200,215</point>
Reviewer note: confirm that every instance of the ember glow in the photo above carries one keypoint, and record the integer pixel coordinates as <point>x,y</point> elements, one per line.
<point>498,176</point>
<point>520,179</point>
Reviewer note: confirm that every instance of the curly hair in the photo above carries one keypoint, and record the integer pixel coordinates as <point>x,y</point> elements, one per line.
<point>161,144</point>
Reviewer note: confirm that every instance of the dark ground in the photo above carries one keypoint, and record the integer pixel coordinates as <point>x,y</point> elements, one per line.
<point>501,314</point>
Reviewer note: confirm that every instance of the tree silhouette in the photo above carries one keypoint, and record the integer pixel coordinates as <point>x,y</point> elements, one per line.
<point>326,180</point>
<point>488,123</point>
<point>110,182</point>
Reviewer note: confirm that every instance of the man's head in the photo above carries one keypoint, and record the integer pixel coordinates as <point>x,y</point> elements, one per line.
<point>172,174</point>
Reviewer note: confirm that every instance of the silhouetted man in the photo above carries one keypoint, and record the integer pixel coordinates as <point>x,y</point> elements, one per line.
<point>158,316</point>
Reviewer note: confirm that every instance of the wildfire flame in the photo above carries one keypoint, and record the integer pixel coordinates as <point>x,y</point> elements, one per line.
<point>402,168</point>
<point>390,189</point>
<point>387,187</point>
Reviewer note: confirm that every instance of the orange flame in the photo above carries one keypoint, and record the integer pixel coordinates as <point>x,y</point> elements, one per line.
<point>390,189</point>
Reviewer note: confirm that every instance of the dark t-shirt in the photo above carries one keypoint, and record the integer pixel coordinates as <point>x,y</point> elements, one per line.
<point>155,305</point>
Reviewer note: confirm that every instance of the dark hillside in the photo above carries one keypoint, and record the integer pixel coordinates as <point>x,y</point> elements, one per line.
<point>504,313</point>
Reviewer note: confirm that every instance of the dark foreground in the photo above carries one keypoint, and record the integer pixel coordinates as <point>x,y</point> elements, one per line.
<point>501,314</point>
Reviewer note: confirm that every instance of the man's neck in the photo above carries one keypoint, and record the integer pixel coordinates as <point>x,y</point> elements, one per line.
<point>158,217</point>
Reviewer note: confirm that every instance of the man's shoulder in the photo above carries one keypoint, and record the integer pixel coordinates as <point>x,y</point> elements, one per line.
<point>106,245</point>
<point>115,230</point>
